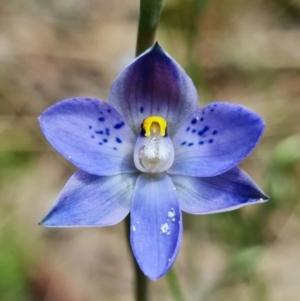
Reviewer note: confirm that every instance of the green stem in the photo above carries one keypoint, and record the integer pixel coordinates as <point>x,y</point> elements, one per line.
<point>174,286</point>
<point>150,11</point>
<point>141,282</point>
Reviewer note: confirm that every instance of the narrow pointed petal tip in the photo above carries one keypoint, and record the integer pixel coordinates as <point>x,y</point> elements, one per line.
<point>229,191</point>
<point>157,47</point>
<point>88,200</point>
<point>156,225</point>
<point>154,84</point>
<point>91,134</point>
<point>214,139</point>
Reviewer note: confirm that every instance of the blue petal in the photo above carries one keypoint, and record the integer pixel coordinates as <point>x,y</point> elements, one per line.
<point>154,84</point>
<point>91,134</point>
<point>228,191</point>
<point>156,224</point>
<point>89,200</point>
<point>214,139</point>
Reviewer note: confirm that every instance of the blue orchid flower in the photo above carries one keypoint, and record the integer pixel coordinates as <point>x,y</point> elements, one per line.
<point>152,152</point>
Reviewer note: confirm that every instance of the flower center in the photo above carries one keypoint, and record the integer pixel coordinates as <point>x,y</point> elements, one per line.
<point>153,150</point>
<point>154,124</point>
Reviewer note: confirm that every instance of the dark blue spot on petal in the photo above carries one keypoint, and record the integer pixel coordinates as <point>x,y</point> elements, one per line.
<point>201,119</point>
<point>141,109</point>
<point>101,119</point>
<point>201,142</point>
<point>194,131</point>
<point>215,105</point>
<point>115,148</point>
<point>211,110</point>
<point>118,140</point>
<point>188,128</point>
<point>191,144</point>
<point>99,132</point>
<point>210,141</point>
<point>204,130</point>
<point>214,132</point>
<point>100,143</point>
<point>183,143</point>
<point>90,127</point>
<point>194,121</point>
<point>92,136</point>
<point>105,140</point>
<point>107,132</point>
<point>119,125</point>
<point>108,110</point>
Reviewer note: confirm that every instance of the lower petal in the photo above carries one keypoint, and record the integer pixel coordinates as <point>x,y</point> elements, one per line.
<point>156,225</point>
<point>228,191</point>
<point>89,200</point>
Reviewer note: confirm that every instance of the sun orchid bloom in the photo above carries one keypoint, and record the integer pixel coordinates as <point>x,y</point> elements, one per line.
<point>152,152</point>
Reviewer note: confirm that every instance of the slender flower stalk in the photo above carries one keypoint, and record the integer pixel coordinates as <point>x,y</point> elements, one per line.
<point>174,286</point>
<point>149,17</point>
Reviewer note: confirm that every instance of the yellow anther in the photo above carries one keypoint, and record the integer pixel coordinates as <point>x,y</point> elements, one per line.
<point>154,124</point>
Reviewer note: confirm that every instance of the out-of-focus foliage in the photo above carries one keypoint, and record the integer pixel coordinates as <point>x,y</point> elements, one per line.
<point>244,52</point>
<point>14,253</point>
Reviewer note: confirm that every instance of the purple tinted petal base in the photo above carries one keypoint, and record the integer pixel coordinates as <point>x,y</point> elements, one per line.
<point>228,191</point>
<point>214,139</point>
<point>154,84</point>
<point>156,225</point>
<point>91,134</point>
<point>88,200</point>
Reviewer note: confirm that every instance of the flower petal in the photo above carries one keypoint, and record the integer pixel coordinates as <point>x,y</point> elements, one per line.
<point>214,139</point>
<point>154,84</point>
<point>88,200</point>
<point>228,191</point>
<point>91,134</point>
<point>156,225</point>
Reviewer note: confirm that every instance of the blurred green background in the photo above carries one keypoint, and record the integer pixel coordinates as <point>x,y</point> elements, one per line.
<point>245,52</point>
